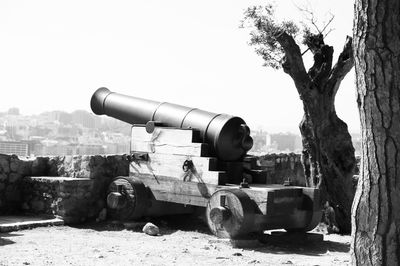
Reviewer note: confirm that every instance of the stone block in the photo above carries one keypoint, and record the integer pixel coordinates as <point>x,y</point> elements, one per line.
<point>24,168</point>
<point>3,177</point>
<point>14,164</point>
<point>39,166</point>
<point>14,177</point>
<point>63,196</point>
<point>4,163</point>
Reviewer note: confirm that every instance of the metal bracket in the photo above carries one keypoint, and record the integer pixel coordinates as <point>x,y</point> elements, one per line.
<point>139,156</point>
<point>187,165</point>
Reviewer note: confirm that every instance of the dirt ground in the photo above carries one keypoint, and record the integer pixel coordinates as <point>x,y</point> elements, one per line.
<point>187,242</point>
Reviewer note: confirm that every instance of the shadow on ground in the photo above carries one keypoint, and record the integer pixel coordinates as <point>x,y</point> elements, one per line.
<point>4,238</point>
<point>310,248</point>
<point>167,224</point>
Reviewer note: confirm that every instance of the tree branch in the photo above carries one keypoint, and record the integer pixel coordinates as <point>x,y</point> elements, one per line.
<point>320,71</point>
<point>293,62</point>
<point>309,15</point>
<point>327,24</point>
<point>343,66</point>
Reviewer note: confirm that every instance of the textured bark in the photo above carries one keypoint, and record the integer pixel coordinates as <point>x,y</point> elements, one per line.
<point>376,207</point>
<point>328,153</point>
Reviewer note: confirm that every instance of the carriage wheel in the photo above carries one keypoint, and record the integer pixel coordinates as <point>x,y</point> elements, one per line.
<point>127,198</point>
<point>314,219</point>
<point>230,214</point>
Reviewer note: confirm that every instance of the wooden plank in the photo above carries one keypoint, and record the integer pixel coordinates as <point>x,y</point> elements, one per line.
<point>190,193</point>
<point>164,135</point>
<point>234,171</point>
<point>277,201</point>
<point>191,149</point>
<point>178,187</point>
<point>179,198</point>
<point>171,166</point>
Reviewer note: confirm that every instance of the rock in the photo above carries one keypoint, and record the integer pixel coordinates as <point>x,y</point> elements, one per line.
<point>185,250</point>
<point>151,229</point>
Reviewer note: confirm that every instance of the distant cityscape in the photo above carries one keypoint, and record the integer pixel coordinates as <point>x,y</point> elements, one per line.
<point>83,133</point>
<point>62,133</point>
<point>265,142</point>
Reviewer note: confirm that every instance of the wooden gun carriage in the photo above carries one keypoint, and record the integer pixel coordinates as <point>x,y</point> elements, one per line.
<point>184,157</point>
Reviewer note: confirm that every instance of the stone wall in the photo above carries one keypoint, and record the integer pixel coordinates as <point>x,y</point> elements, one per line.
<point>19,192</point>
<point>279,168</point>
<point>71,198</point>
<point>12,171</point>
<point>284,166</point>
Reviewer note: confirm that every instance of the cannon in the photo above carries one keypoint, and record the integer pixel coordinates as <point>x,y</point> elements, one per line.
<point>185,158</point>
<point>227,135</point>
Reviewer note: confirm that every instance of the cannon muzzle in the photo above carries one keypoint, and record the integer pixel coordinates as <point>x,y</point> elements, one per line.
<point>228,136</point>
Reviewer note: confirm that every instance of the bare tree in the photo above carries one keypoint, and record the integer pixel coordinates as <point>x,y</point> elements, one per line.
<point>376,207</point>
<point>328,153</point>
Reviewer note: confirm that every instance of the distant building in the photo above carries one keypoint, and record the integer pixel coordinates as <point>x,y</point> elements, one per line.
<point>13,111</point>
<point>14,147</point>
<point>90,149</point>
<point>61,133</point>
<point>259,140</point>
<point>59,149</point>
<point>117,148</point>
<point>286,142</point>
<point>84,118</point>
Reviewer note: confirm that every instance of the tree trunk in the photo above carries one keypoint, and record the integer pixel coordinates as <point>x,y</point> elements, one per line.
<point>328,157</point>
<point>376,207</point>
<point>328,153</point>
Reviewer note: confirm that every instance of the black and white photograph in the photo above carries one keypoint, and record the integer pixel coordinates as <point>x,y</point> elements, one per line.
<point>172,132</point>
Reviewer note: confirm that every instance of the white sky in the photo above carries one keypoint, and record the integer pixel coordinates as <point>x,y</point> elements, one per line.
<point>54,54</point>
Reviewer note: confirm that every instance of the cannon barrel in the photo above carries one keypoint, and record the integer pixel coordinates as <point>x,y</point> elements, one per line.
<point>228,136</point>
